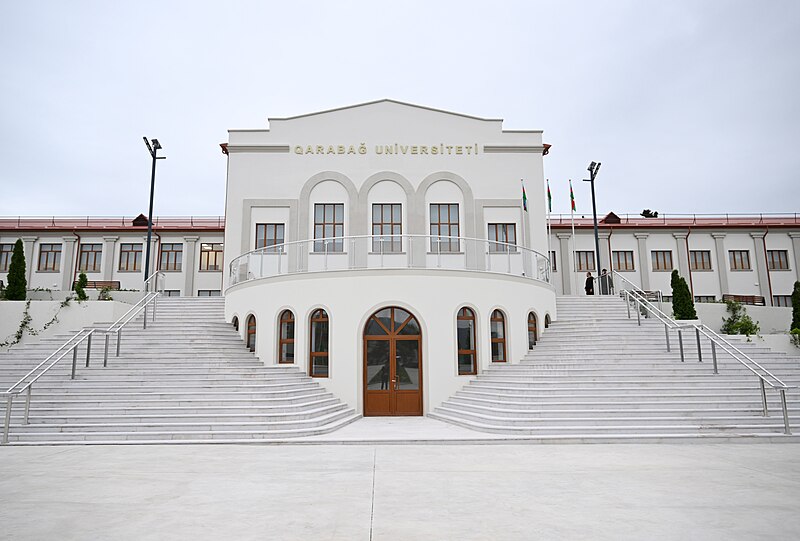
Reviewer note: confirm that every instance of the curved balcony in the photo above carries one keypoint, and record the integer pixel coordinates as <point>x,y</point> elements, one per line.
<point>390,252</point>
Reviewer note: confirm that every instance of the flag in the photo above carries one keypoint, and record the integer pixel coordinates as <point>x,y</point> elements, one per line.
<point>524,197</point>
<point>549,198</point>
<point>571,196</point>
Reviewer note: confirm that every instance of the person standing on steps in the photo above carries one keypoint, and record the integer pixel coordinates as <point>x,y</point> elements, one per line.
<point>589,287</point>
<point>606,285</point>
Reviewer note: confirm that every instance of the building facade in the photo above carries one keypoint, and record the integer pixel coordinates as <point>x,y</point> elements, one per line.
<point>387,250</point>
<point>722,255</point>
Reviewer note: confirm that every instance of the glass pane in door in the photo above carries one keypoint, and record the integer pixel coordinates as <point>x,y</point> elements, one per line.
<point>377,365</point>
<point>407,364</point>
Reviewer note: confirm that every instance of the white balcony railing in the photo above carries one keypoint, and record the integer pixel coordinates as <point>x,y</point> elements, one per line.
<point>390,252</point>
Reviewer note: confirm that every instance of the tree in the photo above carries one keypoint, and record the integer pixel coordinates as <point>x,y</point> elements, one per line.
<point>796,306</point>
<point>17,289</point>
<point>739,322</point>
<point>647,213</point>
<point>80,287</point>
<point>682,302</point>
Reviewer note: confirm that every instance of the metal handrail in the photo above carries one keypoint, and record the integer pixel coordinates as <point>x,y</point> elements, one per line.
<point>72,345</point>
<point>374,245</point>
<point>616,274</point>
<point>715,340</point>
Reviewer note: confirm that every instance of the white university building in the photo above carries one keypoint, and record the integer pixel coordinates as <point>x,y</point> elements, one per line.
<point>383,249</point>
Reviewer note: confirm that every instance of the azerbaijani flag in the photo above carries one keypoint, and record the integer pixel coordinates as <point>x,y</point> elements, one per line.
<point>571,196</point>
<point>524,197</point>
<point>549,198</point>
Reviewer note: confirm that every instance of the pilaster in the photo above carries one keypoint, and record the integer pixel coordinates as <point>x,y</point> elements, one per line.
<point>67,263</point>
<point>761,266</point>
<point>567,263</point>
<point>108,257</point>
<point>27,246</point>
<point>644,260</point>
<point>795,236</point>
<point>605,256</point>
<point>722,264</point>
<point>188,267</point>
<point>683,255</point>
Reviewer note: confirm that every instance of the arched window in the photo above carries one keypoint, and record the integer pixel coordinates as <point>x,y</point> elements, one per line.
<point>286,342</point>
<point>235,323</point>
<point>533,331</point>
<point>251,333</point>
<point>318,350</point>
<point>465,329</point>
<point>497,324</point>
<point>546,321</point>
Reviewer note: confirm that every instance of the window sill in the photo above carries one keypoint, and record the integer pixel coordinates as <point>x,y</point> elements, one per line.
<point>701,270</point>
<point>445,253</point>
<point>209,270</point>
<point>388,253</point>
<point>49,271</point>
<point>169,270</point>
<point>741,270</point>
<point>779,270</point>
<point>129,271</point>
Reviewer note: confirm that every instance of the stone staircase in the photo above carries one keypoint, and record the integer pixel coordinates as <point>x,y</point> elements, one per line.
<point>187,378</point>
<point>597,376</point>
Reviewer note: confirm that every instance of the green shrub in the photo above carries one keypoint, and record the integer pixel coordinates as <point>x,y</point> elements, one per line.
<point>682,302</point>
<point>80,287</point>
<point>738,322</point>
<point>794,337</point>
<point>17,289</point>
<point>795,307</point>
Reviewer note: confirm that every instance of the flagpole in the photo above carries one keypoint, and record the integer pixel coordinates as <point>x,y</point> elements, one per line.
<point>572,220</point>
<point>549,230</point>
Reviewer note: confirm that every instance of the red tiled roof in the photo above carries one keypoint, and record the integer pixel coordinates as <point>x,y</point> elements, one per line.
<point>636,221</point>
<point>119,223</point>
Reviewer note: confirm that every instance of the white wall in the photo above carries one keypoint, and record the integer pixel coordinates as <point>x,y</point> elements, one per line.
<point>71,318</point>
<point>350,297</point>
<point>771,319</point>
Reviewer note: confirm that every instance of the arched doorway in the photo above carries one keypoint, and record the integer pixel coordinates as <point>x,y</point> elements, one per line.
<point>251,333</point>
<point>392,364</point>
<point>533,330</point>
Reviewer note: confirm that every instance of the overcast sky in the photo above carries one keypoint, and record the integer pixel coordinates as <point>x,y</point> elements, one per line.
<point>692,107</point>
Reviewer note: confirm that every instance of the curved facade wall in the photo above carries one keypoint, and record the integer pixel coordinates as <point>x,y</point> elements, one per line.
<point>434,297</point>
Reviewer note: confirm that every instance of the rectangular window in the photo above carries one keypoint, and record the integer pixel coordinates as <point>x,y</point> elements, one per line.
<point>89,257</point>
<point>553,261</point>
<point>666,298</point>
<point>662,260</point>
<point>782,300</point>
<point>329,223</point>
<point>444,227</point>
<point>387,226</point>
<point>705,298</point>
<point>622,260</point>
<point>49,257</point>
<point>208,293</point>
<point>130,257</point>
<point>584,261</point>
<point>172,292</point>
<point>270,235</point>
<point>210,256</point>
<point>502,233</point>
<point>700,260</point>
<point>778,259</point>
<point>171,257</point>
<point>5,256</point>
<point>740,259</point>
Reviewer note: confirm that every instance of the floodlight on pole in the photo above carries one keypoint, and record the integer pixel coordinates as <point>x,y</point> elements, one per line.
<point>153,146</point>
<point>593,168</point>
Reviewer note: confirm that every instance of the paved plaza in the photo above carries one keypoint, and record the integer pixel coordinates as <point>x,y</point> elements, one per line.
<point>401,492</point>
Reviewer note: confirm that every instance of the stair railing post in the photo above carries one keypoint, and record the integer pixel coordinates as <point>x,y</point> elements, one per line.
<point>7,423</point>
<point>765,411</point>
<point>680,343</point>
<point>105,352</point>
<point>74,360</point>
<point>628,303</point>
<point>639,314</point>
<point>119,339</point>
<point>144,321</point>
<point>666,333</point>
<point>786,429</point>
<point>699,351</point>
<point>714,356</point>
<point>88,348</point>
<point>27,405</point>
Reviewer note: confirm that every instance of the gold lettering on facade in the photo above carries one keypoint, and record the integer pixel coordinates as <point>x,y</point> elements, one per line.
<point>391,149</point>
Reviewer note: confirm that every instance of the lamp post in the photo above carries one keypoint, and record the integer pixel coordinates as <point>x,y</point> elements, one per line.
<point>593,169</point>
<point>153,149</point>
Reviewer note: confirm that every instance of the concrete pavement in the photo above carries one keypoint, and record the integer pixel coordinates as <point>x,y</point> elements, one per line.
<point>404,492</point>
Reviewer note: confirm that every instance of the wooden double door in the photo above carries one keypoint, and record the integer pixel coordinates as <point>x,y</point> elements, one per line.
<point>392,364</point>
